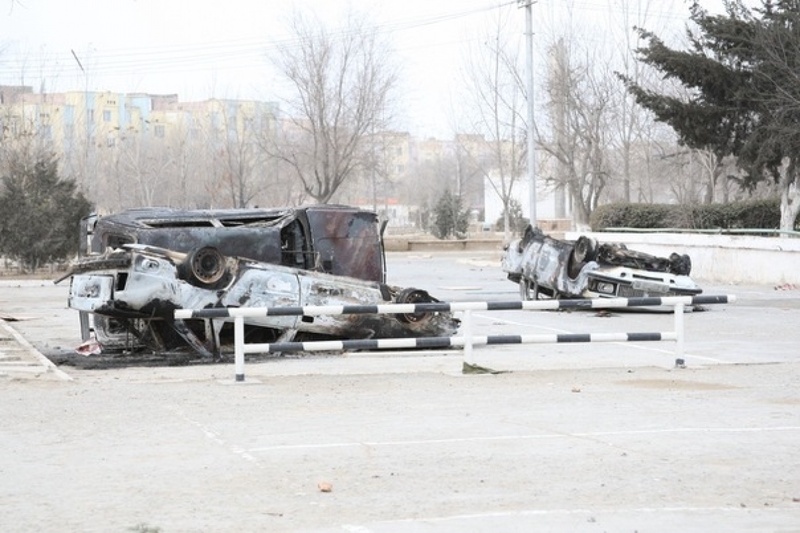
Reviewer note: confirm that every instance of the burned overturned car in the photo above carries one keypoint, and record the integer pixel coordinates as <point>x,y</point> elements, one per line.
<point>136,267</point>
<point>547,267</point>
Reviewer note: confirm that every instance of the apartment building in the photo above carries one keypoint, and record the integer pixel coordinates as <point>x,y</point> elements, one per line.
<point>103,137</point>
<point>128,149</point>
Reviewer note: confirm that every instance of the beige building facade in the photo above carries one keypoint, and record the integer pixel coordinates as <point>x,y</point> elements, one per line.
<point>135,149</point>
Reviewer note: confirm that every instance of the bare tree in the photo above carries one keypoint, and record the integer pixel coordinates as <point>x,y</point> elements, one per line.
<point>494,84</point>
<point>580,95</point>
<point>342,82</point>
<point>472,155</point>
<point>233,134</point>
<point>21,141</point>
<point>145,169</point>
<point>631,126</point>
<point>188,165</point>
<point>385,168</point>
<point>82,159</point>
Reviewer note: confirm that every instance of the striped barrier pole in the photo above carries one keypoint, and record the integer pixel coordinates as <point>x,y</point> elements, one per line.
<point>467,341</point>
<point>434,307</point>
<point>454,342</point>
<point>439,342</point>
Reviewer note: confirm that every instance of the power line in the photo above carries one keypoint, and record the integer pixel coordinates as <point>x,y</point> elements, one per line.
<point>244,53</point>
<point>185,57</point>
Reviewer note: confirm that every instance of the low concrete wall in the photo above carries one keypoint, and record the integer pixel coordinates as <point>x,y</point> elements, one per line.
<point>400,244</point>
<point>720,258</point>
<point>466,244</point>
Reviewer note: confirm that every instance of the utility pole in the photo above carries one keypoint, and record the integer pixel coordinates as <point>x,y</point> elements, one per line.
<point>84,181</point>
<point>528,5</point>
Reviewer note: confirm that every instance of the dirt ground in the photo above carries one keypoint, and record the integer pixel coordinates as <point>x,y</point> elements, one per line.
<point>599,437</point>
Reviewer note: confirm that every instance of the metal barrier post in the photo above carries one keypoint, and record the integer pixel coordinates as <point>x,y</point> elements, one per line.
<point>679,330</point>
<point>467,325</point>
<point>238,346</point>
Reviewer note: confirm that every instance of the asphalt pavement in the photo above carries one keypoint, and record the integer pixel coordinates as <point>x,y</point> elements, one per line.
<point>608,436</point>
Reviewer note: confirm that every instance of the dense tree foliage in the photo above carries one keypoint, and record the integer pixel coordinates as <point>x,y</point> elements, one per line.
<point>39,213</point>
<point>741,73</point>
<point>450,217</point>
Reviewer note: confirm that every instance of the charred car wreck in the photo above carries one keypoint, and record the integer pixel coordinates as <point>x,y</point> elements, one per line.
<point>138,266</point>
<point>547,267</point>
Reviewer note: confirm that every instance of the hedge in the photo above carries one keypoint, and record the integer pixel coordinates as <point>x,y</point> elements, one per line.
<point>756,214</point>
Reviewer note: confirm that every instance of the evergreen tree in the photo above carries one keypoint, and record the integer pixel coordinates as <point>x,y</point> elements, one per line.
<point>450,218</point>
<point>39,213</point>
<point>741,73</point>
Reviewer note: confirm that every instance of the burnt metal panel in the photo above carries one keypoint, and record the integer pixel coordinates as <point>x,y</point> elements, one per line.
<point>245,233</point>
<point>347,243</point>
<point>338,240</point>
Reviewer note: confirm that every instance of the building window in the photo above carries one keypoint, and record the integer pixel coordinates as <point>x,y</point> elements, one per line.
<point>106,116</point>
<point>158,130</point>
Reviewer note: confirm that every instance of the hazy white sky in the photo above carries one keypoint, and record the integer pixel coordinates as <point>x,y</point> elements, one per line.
<point>216,48</point>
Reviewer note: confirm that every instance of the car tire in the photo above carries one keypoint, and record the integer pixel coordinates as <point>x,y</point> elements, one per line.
<point>413,296</point>
<point>205,266</point>
<point>688,262</point>
<point>585,249</point>
<point>680,265</point>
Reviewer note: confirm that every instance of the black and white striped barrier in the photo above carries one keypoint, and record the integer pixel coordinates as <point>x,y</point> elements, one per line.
<point>453,342</point>
<point>432,307</point>
<point>467,341</point>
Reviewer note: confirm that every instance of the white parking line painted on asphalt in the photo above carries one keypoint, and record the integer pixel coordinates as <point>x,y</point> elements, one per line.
<point>390,525</point>
<point>214,437</point>
<point>497,438</point>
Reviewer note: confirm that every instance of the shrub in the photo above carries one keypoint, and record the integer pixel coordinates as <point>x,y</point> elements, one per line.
<point>516,221</point>
<point>624,215</point>
<point>757,214</point>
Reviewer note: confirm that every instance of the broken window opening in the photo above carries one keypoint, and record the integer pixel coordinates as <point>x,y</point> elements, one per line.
<point>294,251</point>
<point>117,241</point>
